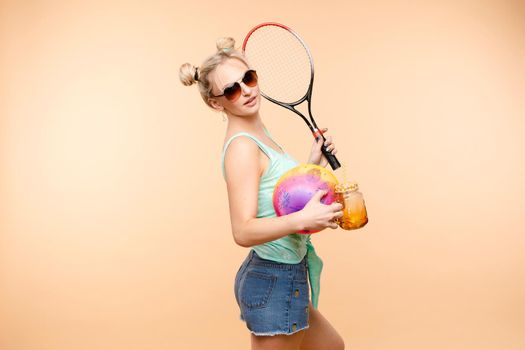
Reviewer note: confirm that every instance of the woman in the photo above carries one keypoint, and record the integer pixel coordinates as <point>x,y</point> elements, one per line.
<point>271,285</point>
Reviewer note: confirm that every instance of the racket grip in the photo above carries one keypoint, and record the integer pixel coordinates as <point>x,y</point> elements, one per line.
<point>332,160</point>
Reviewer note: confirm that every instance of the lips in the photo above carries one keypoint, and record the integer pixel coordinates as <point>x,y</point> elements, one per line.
<point>250,100</point>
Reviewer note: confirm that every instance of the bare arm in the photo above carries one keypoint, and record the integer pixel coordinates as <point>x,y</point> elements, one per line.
<point>243,172</point>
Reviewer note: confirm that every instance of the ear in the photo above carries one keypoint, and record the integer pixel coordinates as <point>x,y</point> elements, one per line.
<point>215,105</point>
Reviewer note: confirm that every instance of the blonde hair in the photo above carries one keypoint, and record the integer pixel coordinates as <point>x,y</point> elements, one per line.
<point>189,74</point>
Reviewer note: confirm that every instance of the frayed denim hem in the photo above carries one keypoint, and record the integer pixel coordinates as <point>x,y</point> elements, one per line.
<point>278,332</point>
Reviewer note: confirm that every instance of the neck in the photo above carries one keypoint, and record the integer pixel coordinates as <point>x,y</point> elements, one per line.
<point>251,124</point>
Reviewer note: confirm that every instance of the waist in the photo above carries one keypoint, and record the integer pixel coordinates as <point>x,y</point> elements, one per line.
<point>290,249</point>
<point>257,260</point>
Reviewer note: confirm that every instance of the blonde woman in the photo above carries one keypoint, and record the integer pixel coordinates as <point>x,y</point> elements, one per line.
<point>271,285</point>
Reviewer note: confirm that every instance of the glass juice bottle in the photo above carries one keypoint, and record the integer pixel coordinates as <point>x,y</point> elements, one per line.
<point>354,210</point>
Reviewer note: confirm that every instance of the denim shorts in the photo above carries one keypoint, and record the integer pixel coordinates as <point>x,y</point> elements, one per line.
<point>273,297</point>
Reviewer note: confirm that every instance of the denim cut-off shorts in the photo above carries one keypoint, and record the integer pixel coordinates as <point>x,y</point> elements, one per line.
<point>273,297</point>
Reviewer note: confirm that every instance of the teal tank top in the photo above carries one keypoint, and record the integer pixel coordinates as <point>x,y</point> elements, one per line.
<point>290,249</point>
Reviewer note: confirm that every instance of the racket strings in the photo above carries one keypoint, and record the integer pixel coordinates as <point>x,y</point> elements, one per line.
<point>282,63</point>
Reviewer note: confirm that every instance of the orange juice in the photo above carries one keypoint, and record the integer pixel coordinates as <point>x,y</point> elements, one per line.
<point>354,210</point>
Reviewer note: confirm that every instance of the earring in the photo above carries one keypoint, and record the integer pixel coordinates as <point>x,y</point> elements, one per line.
<point>223,116</point>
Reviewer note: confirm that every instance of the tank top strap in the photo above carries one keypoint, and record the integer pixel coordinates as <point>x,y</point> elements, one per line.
<point>261,145</point>
<point>271,138</point>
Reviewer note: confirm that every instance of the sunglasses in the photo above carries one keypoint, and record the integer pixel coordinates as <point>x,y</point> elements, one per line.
<point>233,91</point>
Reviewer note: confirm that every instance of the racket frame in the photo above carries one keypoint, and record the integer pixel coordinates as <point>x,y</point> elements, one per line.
<point>312,125</point>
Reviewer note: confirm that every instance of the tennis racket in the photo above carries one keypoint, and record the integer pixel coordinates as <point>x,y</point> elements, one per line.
<point>286,70</point>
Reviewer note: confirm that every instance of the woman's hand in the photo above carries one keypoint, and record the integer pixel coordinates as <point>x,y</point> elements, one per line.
<point>316,155</point>
<point>318,216</point>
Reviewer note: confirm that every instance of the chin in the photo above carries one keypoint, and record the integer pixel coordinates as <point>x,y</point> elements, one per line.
<point>249,112</point>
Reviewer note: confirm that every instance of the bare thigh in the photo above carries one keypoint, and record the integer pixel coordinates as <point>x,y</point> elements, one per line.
<point>277,342</point>
<point>321,335</point>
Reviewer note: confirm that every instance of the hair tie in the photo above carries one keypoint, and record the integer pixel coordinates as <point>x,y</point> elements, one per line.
<point>226,49</point>
<point>196,75</point>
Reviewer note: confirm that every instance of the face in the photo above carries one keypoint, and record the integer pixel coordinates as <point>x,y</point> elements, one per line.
<point>224,75</point>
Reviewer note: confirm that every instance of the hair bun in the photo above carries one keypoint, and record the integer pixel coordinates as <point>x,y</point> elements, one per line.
<point>225,44</point>
<point>187,74</point>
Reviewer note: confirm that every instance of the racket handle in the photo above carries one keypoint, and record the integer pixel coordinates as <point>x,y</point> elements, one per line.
<point>332,160</point>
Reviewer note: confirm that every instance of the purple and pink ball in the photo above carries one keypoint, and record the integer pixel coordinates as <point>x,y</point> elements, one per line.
<point>297,186</point>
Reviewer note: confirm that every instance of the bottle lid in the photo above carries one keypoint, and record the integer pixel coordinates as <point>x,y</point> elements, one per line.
<point>346,187</point>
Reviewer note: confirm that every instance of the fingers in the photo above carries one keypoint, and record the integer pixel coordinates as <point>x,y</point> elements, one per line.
<point>333,223</point>
<point>330,146</point>
<point>318,195</point>
<point>320,133</point>
<point>336,206</point>
<point>337,213</point>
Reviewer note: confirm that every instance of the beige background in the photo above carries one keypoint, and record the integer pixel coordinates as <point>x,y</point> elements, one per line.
<point>113,211</point>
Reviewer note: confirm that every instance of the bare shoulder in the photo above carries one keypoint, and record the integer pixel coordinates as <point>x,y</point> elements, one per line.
<point>242,146</point>
<point>242,157</point>
<point>241,165</point>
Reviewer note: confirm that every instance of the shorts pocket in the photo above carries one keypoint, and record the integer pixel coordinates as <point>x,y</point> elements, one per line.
<point>256,289</point>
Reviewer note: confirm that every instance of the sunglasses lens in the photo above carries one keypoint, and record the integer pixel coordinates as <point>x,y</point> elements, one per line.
<point>250,78</point>
<point>233,92</point>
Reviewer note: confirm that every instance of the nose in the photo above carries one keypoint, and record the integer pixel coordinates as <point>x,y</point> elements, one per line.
<point>245,89</point>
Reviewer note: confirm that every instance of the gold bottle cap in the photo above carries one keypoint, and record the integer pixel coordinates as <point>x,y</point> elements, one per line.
<point>346,187</point>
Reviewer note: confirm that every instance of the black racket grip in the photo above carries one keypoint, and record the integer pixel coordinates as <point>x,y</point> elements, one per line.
<point>332,160</point>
